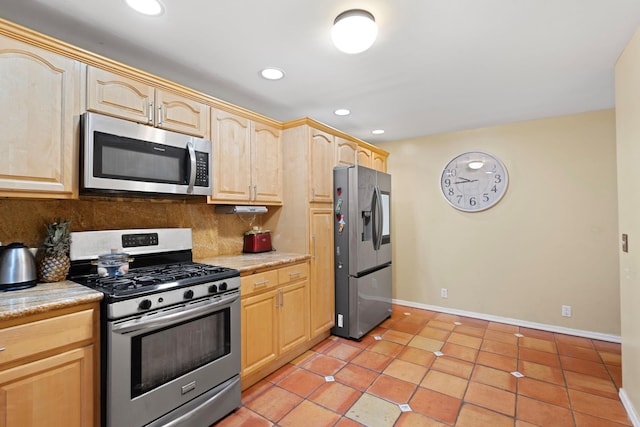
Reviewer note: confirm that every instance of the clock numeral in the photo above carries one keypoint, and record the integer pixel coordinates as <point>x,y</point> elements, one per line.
<point>472,201</point>
<point>451,192</point>
<point>450,172</point>
<point>485,197</point>
<point>447,182</point>
<point>460,199</point>
<point>494,189</point>
<point>497,178</point>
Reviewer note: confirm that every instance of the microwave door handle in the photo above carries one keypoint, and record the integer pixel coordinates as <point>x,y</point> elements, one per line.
<point>192,166</point>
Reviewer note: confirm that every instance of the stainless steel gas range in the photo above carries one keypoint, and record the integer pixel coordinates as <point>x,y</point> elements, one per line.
<point>170,329</point>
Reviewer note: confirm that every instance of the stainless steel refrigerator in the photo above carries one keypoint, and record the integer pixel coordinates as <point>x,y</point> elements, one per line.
<point>362,236</point>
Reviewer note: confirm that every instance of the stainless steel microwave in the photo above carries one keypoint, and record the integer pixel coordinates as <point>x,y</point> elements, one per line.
<point>119,156</point>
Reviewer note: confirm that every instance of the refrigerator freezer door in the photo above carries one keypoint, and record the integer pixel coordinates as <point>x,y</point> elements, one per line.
<point>370,300</point>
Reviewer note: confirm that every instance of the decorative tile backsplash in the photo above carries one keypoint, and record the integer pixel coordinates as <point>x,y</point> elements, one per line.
<point>213,234</point>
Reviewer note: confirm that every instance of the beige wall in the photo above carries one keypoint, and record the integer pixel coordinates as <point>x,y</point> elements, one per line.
<point>551,241</point>
<point>213,234</point>
<point>628,134</point>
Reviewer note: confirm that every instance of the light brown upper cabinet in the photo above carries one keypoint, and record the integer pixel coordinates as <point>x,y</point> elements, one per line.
<point>131,99</point>
<point>365,157</point>
<point>247,159</point>
<point>346,152</point>
<point>379,162</point>
<point>321,154</point>
<point>39,117</point>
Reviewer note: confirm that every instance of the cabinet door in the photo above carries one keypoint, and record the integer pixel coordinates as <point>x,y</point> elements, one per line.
<point>55,391</point>
<point>119,96</point>
<point>230,135</point>
<point>266,152</point>
<point>379,162</point>
<point>321,285</point>
<point>259,331</point>
<point>174,112</point>
<point>345,152</point>
<point>293,315</point>
<point>39,116</point>
<point>321,166</point>
<point>364,157</point>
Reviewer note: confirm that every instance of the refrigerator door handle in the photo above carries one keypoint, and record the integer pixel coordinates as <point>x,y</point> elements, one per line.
<point>377,219</point>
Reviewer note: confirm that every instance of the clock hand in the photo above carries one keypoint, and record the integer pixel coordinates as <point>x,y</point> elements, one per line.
<point>465,180</point>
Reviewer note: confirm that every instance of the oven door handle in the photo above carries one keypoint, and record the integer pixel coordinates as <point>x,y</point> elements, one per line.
<point>167,319</point>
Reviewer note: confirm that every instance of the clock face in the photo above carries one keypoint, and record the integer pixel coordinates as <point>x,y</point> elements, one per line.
<point>474,181</point>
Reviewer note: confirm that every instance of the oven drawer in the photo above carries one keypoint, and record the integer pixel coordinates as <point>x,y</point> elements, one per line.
<point>36,337</point>
<point>258,282</point>
<point>293,273</point>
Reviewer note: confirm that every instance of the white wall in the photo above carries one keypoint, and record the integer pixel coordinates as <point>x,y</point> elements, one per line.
<point>552,240</point>
<point>628,134</point>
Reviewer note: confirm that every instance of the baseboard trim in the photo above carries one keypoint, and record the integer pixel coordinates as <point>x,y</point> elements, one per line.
<point>533,325</point>
<point>628,406</point>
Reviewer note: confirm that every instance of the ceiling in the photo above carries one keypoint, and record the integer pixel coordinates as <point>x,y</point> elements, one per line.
<point>437,65</point>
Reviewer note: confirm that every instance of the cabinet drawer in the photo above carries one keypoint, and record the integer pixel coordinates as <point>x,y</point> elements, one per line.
<point>258,282</point>
<point>35,337</point>
<point>293,273</point>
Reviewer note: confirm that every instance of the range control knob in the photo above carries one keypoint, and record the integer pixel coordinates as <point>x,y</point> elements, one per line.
<point>223,286</point>
<point>145,304</point>
<point>213,289</point>
<point>188,294</point>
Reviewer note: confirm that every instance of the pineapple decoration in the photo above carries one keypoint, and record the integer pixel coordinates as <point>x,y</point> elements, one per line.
<point>54,264</point>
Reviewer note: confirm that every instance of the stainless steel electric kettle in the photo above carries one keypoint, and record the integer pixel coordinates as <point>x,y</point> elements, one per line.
<point>17,267</point>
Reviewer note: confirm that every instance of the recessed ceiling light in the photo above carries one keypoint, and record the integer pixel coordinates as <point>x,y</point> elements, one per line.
<point>342,112</point>
<point>272,73</point>
<point>146,7</point>
<point>377,131</point>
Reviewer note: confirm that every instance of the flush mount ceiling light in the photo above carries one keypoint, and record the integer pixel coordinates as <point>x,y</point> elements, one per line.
<point>354,31</point>
<point>146,7</point>
<point>377,131</point>
<point>342,112</point>
<point>272,73</point>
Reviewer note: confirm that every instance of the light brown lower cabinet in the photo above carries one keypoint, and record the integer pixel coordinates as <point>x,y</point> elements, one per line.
<point>49,370</point>
<point>275,316</point>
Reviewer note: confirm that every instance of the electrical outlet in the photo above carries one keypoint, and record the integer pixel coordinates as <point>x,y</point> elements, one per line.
<point>444,293</point>
<point>566,311</point>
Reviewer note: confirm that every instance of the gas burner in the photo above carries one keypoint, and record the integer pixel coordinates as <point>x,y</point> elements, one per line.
<point>146,280</point>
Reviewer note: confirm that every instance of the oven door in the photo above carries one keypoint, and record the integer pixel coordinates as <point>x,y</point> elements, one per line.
<point>159,361</point>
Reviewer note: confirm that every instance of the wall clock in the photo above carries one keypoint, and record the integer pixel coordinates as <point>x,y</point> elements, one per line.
<point>474,181</point>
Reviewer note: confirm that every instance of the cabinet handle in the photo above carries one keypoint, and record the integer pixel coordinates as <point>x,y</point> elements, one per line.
<point>2,349</point>
<point>250,198</point>
<point>160,115</point>
<point>313,194</point>
<point>150,112</point>
<point>255,192</point>
<point>295,273</point>
<point>264,282</point>
<point>281,297</point>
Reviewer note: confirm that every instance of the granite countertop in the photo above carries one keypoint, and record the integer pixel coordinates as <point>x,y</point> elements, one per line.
<point>51,296</point>
<point>250,263</point>
<point>45,297</point>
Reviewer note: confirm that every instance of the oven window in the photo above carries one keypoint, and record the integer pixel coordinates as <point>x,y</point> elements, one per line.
<point>163,355</point>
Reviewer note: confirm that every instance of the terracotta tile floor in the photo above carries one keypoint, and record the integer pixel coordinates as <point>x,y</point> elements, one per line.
<point>396,376</point>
